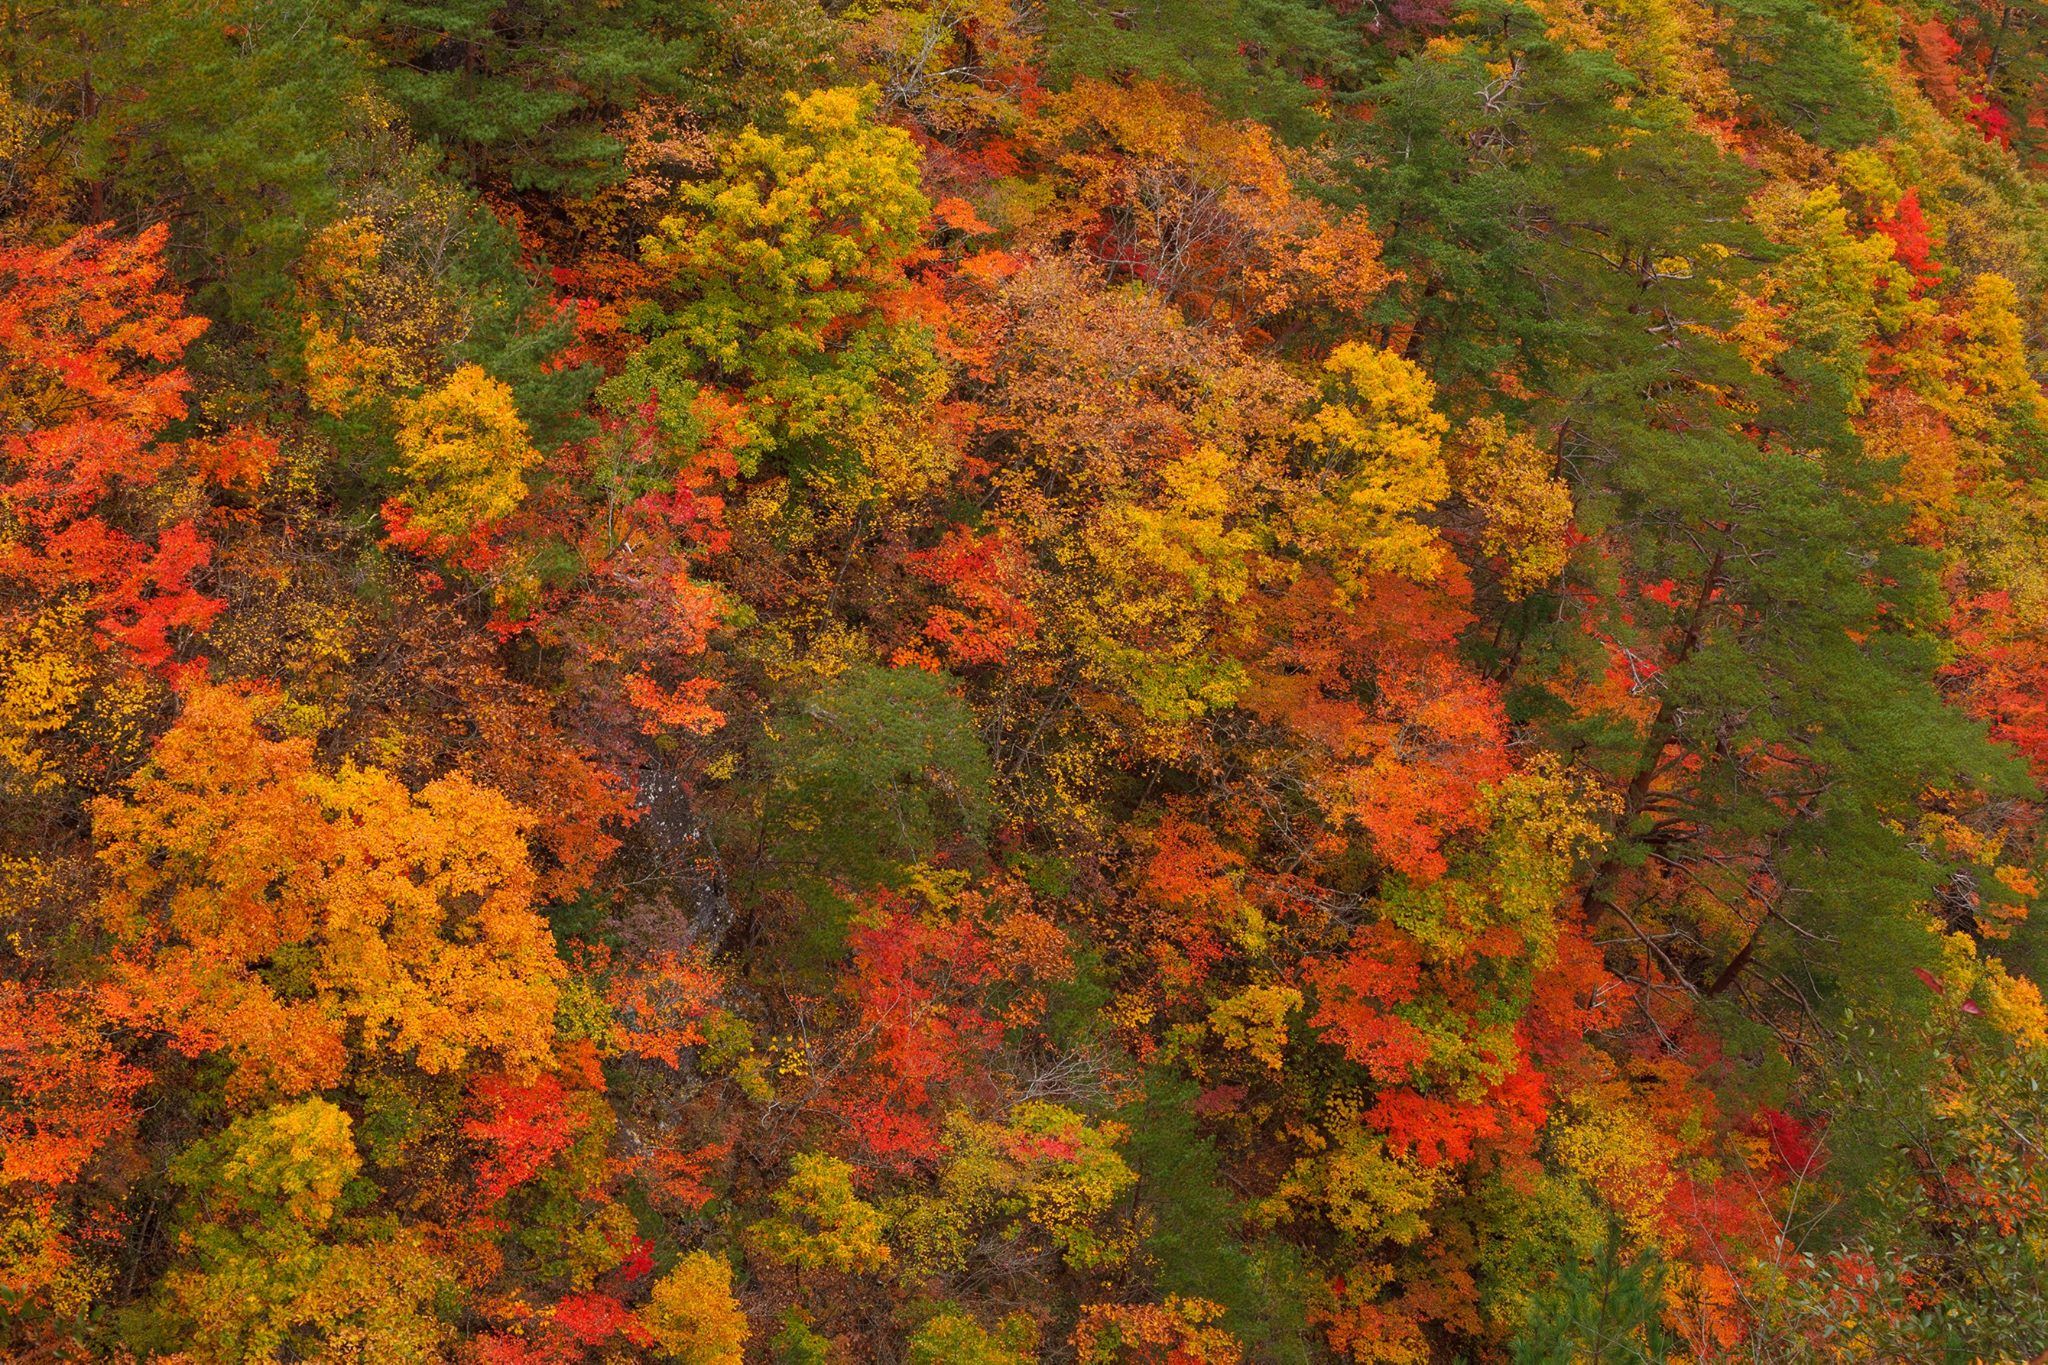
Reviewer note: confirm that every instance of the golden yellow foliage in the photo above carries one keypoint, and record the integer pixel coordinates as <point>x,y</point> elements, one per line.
<point>344,372</point>
<point>290,1161</point>
<point>692,1316</point>
<point>1839,289</point>
<point>1525,509</point>
<point>1379,468</point>
<point>821,1223</point>
<point>463,449</point>
<point>1046,1171</point>
<point>1546,819</point>
<point>941,59</point>
<point>43,678</point>
<point>2012,1003</point>
<point>1364,1190</point>
<point>1622,1158</point>
<point>1254,1021</point>
<point>1990,354</point>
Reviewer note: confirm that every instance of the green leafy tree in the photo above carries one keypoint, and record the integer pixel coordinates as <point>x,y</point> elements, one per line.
<point>1805,71</point>
<point>1606,1313</point>
<point>1748,584</point>
<point>222,118</point>
<point>1254,58</point>
<point>523,93</point>
<point>1943,1251</point>
<point>871,773</point>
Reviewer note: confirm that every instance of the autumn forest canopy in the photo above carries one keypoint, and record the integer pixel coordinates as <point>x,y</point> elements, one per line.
<point>976,682</point>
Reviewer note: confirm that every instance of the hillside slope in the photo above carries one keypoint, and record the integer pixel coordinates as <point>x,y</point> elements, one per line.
<point>966,681</point>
